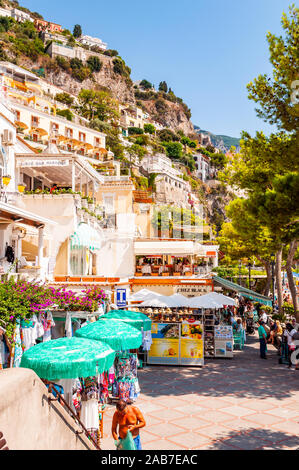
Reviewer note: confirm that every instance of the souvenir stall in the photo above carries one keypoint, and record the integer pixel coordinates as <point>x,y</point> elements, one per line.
<point>123,338</point>
<point>177,335</point>
<point>68,359</point>
<point>173,344</point>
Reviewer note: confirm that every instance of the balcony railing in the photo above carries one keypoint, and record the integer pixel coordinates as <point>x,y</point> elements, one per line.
<point>116,179</point>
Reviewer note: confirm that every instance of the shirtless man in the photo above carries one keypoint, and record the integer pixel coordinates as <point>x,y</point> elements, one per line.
<point>127,418</point>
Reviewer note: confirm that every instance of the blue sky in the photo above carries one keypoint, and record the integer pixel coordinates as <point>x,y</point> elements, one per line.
<point>206,50</point>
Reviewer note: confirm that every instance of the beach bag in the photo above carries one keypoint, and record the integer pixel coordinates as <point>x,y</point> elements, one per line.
<point>127,443</point>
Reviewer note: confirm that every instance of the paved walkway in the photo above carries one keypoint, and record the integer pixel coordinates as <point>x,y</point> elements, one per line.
<point>242,403</point>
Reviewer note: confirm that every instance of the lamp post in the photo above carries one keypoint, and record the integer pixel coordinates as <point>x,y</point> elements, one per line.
<point>249,272</point>
<point>273,279</point>
<point>240,267</point>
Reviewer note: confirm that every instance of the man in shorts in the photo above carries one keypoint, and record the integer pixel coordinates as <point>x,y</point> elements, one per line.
<point>127,418</point>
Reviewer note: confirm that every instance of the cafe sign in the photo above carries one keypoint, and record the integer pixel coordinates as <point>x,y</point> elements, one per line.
<point>193,290</point>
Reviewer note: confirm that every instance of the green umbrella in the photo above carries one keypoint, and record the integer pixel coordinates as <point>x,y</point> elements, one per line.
<point>119,335</point>
<point>68,358</point>
<point>136,319</point>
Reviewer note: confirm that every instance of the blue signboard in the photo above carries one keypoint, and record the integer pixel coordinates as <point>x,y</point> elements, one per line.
<point>121,298</point>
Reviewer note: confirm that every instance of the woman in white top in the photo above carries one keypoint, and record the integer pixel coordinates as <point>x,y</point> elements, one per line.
<point>289,333</point>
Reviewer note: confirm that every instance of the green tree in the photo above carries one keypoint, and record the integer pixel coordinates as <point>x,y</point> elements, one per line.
<point>163,87</point>
<point>65,98</point>
<point>246,237</point>
<point>267,169</point>
<point>166,135</point>
<point>146,85</point>
<point>94,64</point>
<point>149,129</point>
<point>97,104</point>
<point>77,31</point>
<point>111,53</point>
<point>135,152</point>
<point>173,149</point>
<point>135,130</point>
<point>65,113</point>
<point>218,160</point>
<point>274,95</point>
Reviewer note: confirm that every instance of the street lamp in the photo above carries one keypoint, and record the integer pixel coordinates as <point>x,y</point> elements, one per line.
<point>240,267</point>
<point>273,279</point>
<point>249,272</point>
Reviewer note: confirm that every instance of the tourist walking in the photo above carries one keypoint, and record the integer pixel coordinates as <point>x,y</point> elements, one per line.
<point>127,418</point>
<point>290,332</point>
<point>263,340</point>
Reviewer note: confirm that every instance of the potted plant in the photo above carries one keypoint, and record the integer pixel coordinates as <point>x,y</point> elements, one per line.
<point>84,201</point>
<point>6,180</point>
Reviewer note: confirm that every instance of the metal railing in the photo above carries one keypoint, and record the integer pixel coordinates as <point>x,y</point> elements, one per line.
<point>60,399</point>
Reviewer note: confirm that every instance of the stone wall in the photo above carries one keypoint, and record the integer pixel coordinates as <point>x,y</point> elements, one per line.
<point>29,422</point>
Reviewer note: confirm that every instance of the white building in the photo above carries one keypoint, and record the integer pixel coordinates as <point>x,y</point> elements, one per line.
<point>170,185</point>
<point>55,49</point>
<point>92,42</point>
<point>21,16</point>
<point>4,12</point>
<point>203,167</point>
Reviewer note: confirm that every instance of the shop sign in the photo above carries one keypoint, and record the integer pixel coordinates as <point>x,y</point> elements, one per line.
<point>121,298</point>
<point>42,163</point>
<point>177,344</point>
<point>193,290</point>
<point>192,345</point>
<point>224,341</point>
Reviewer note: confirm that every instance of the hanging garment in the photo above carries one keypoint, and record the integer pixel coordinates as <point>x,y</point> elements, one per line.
<point>18,351</point>
<point>147,340</point>
<point>26,334</point>
<point>10,254</point>
<point>48,323</point>
<point>68,385</point>
<point>90,414</point>
<point>111,375</point>
<point>124,390</point>
<point>3,353</point>
<point>68,325</point>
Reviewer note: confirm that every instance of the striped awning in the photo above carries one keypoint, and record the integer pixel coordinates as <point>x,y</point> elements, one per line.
<point>86,237</point>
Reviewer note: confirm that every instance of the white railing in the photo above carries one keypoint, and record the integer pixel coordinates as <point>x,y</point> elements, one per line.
<point>112,179</point>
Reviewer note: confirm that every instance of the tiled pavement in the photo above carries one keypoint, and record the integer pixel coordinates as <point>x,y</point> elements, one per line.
<point>242,403</point>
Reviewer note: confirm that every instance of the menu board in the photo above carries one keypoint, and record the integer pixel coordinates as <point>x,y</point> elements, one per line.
<point>192,346</point>
<point>224,341</point>
<point>165,348</point>
<point>177,344</point>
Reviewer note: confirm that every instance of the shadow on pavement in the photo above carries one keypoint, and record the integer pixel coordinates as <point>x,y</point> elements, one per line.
<point>263,439</point>
<point>244,376</point>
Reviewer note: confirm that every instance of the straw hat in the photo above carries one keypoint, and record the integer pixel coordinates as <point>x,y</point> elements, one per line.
<point>168,310</point>
<point>149,310</point>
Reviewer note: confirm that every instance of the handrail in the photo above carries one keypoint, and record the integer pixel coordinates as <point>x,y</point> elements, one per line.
<point>60,398</point>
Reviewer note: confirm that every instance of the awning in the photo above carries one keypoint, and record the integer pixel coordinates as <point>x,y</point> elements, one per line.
<point>249,294</point>
<point>164,247</point>
<point>15,214</point>
<point>86,237</point>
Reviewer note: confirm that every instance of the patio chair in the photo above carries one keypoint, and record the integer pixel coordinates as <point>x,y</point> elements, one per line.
<point>239,340</point>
